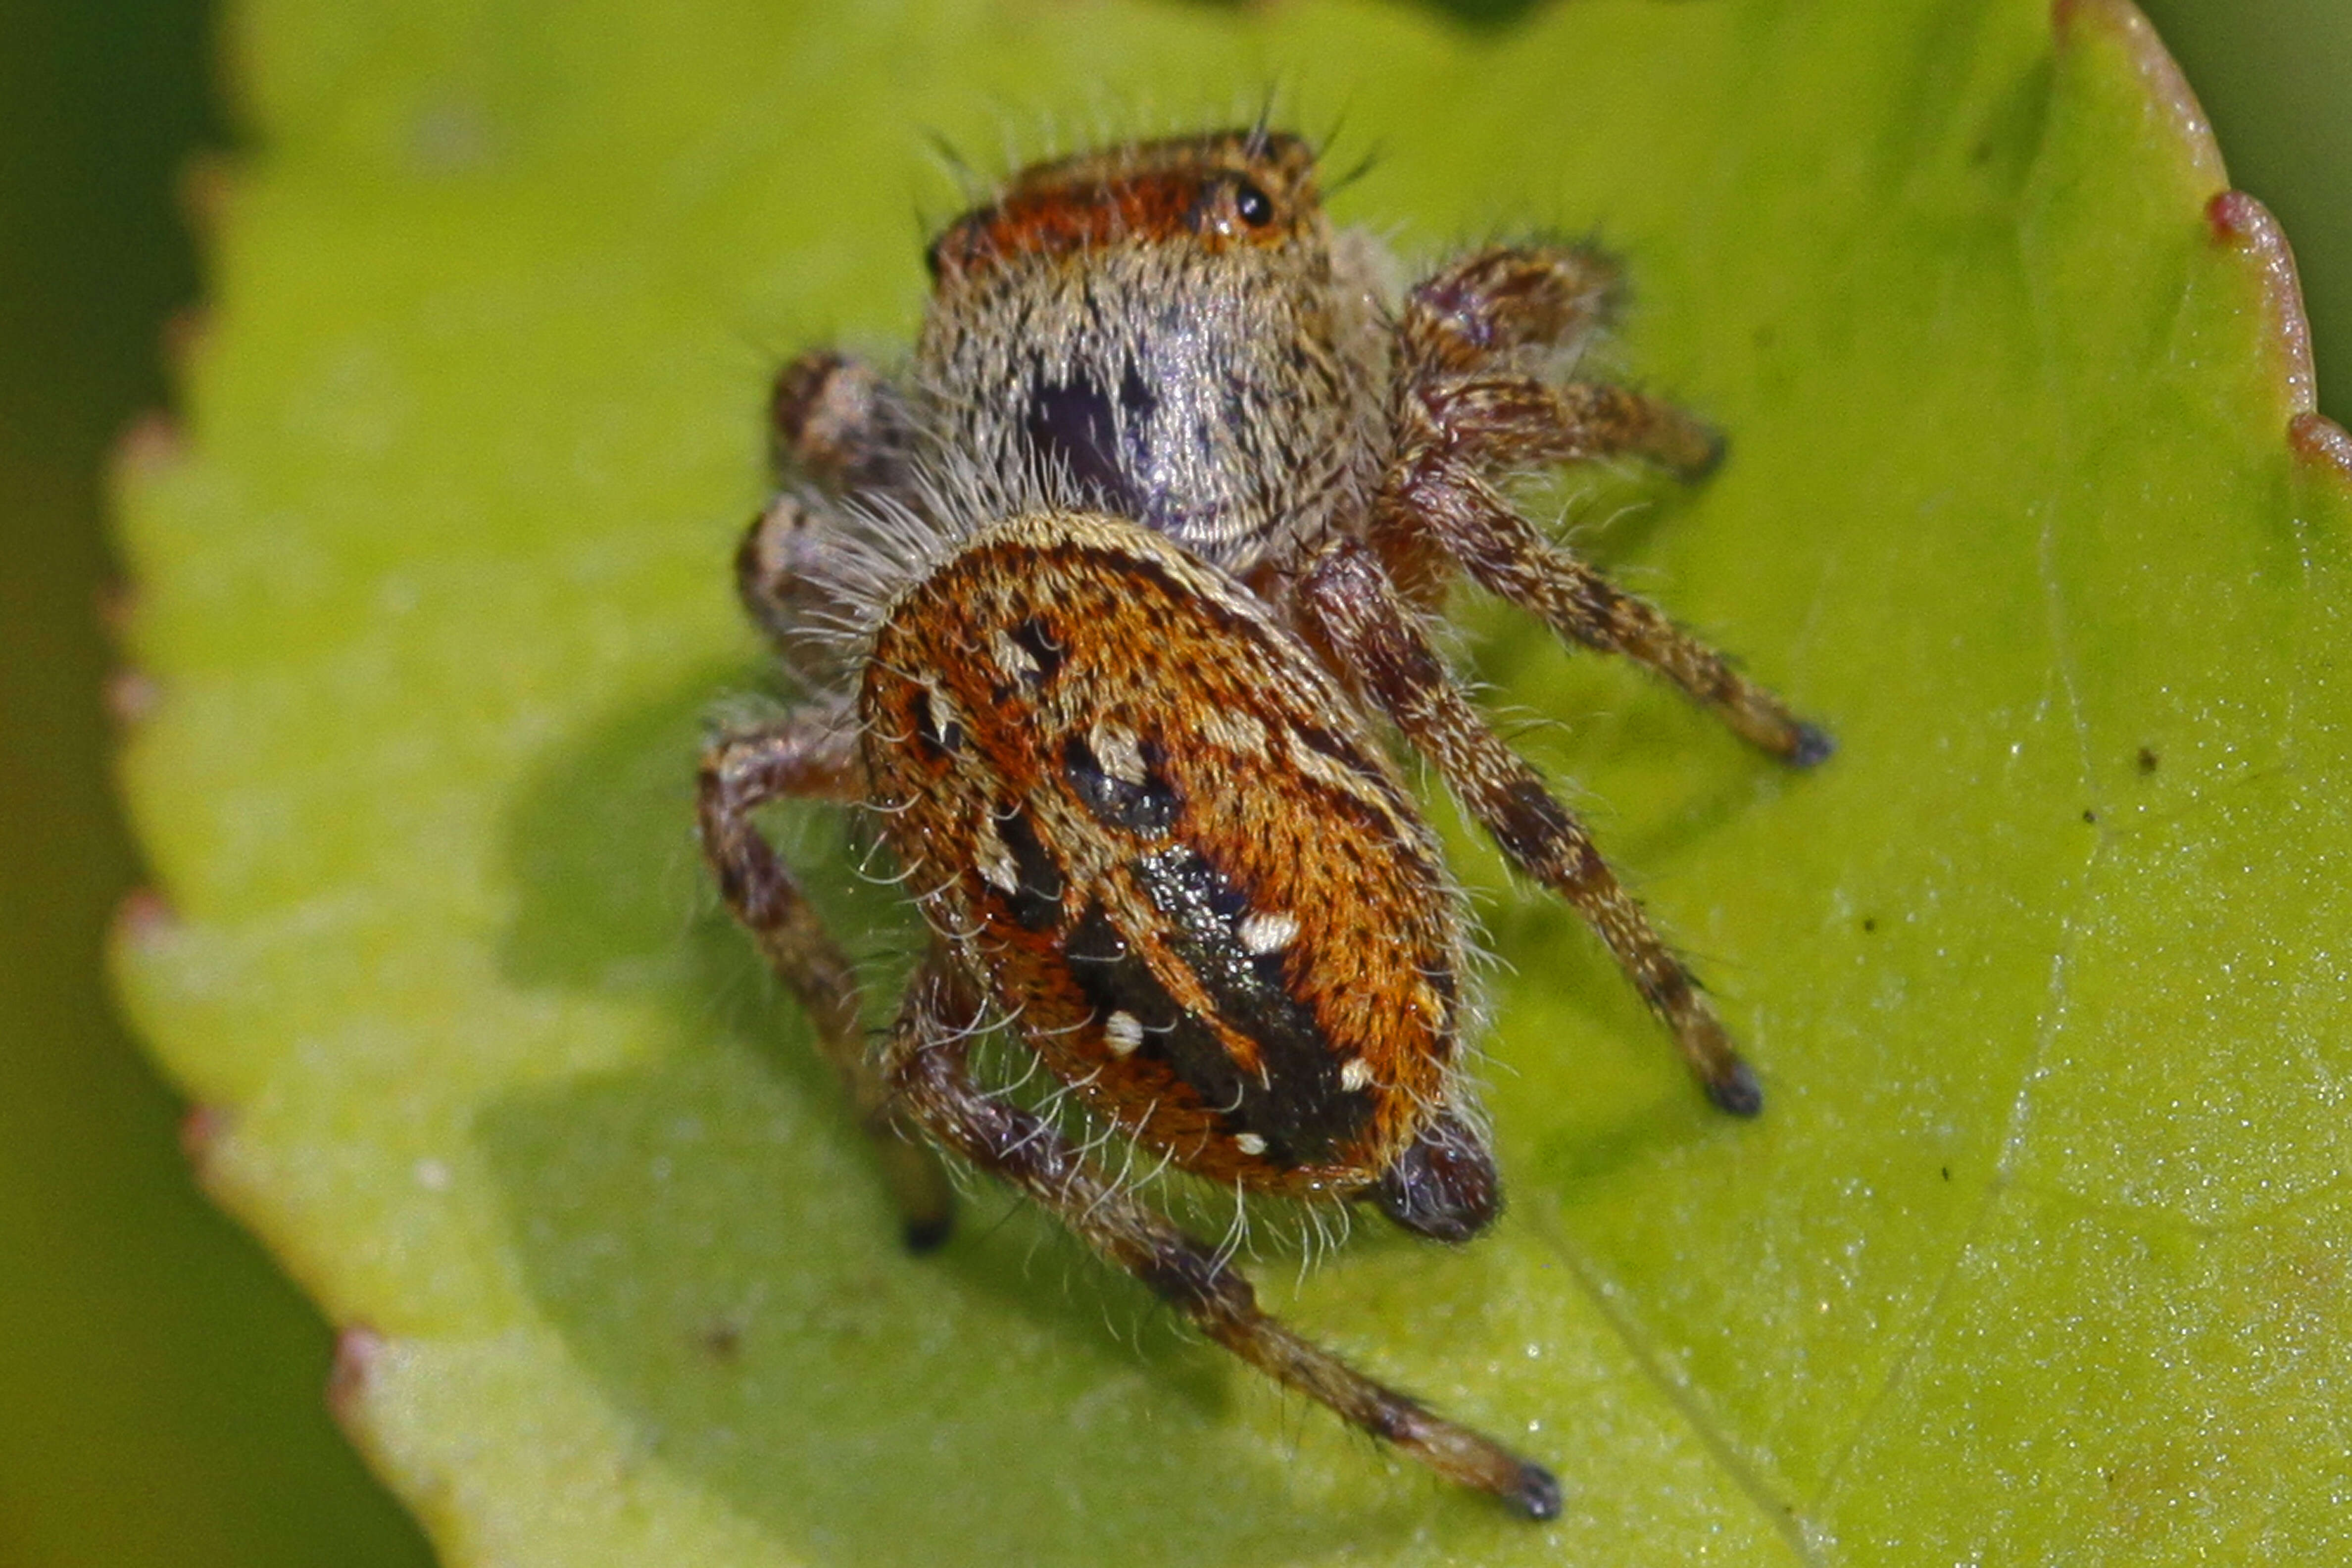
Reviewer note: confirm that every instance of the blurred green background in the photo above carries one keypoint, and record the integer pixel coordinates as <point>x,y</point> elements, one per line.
<point>160,1385</point>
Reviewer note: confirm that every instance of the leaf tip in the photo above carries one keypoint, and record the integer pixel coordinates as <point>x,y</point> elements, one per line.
<point>2124,24</point>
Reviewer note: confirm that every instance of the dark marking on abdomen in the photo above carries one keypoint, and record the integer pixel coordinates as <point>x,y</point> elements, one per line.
<point>1036,640</point>
<point>1306,1115</point>
<point>1152,806</point>
<point>1114,978</point>
<point>1035,900</point>
<point>1298,1128</point>
<point>941,741</point>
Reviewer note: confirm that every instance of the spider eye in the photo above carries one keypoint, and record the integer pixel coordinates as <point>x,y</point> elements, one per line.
<point>1256,208</point>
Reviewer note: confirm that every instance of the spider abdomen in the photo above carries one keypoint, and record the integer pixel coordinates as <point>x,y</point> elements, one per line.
<point>1158,840</point>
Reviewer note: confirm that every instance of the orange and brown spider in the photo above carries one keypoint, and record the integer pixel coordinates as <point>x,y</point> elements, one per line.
<point>1098,608</point>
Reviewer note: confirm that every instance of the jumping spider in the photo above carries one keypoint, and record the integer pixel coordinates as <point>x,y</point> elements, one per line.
<point>1099,607</point>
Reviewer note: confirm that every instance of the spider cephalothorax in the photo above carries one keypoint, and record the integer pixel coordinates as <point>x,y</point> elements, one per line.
<point>1097,604</point>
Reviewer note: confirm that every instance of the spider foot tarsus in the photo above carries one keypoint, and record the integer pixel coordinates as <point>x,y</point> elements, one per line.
<point>1814,746</point>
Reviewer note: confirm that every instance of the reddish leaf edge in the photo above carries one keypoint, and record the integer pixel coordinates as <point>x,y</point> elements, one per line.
<point>2233,218</point>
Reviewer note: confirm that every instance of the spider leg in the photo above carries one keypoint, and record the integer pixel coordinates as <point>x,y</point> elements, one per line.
<point>836,420</point>
<point>926,1064</point>
<point>1462,329</point>
<point>811,752</point>
<point>835,428</point>
<point>1463,411</point>
<point>1485,422</point>
<point>777,577</point>
<point>1349,603</point>
<point>1493,302</point>
<point>1472,524</point>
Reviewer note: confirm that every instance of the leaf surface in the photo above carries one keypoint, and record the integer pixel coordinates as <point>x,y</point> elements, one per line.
<point>2039,1251</point>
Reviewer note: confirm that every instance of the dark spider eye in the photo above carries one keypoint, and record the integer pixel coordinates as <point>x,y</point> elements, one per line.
<point>1254,205</point>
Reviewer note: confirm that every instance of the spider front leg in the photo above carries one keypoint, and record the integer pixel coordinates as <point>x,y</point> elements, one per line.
<point>1462,515</point>
<point>1460,415</point>
<point>927,1065</point>
<point>1462,412</point>
<point>835,419</point>
<point>1486,305</point>
<point>1462,332</point>
<point>1349,601</point>
<point>811,753</point>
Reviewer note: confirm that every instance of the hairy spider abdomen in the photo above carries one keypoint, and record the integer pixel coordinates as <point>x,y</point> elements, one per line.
<point>1163,846</point>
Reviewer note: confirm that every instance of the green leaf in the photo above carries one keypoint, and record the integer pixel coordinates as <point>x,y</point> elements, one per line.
<point>2039,1251</point>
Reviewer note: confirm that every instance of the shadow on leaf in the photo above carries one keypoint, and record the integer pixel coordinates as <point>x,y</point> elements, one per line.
<point>706,1231</point>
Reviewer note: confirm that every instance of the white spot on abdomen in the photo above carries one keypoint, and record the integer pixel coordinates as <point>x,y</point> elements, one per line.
<point>1118,752</point>
<point>1012,658</point>
<point>1124,1032</point>
<point>996,867</point>
<point>1271,932</point>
